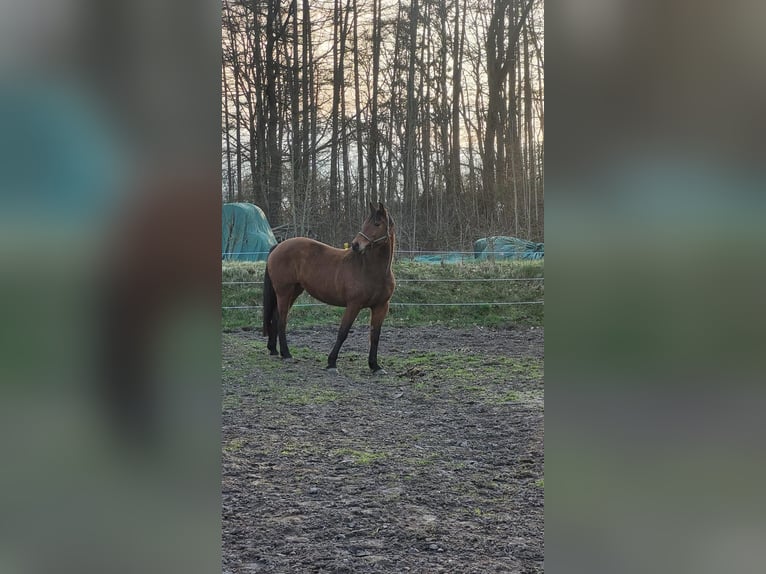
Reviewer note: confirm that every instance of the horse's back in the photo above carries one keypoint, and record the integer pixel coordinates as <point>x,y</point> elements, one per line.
<point>302,248</point>
<point>315,266</point>
<point>295,257</point>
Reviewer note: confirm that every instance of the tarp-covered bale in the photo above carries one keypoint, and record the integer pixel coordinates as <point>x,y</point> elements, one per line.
<point>445,257</point>
<point>246,233</point>
<point>503,247</point>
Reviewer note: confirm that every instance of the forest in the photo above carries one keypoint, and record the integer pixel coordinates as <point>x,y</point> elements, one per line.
<point>434,107</point>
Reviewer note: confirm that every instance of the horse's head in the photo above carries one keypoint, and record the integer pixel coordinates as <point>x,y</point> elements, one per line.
<point>376,229</point>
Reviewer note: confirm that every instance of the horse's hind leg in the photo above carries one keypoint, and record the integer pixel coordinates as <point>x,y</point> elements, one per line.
<point>273,329</point>
<point>284,303</point>
<point>270,313</point>
<point>377,314</point>
<point>284,308</point>
<point>345,325</point>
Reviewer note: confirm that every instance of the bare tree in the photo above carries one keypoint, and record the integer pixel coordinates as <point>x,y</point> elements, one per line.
<point>446,124</point>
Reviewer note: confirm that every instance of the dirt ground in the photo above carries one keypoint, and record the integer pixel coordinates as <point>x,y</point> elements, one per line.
<point>436,467</point>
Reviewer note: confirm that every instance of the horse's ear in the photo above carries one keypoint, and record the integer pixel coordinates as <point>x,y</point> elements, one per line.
<point>372,208</point>
<point>381,207</point>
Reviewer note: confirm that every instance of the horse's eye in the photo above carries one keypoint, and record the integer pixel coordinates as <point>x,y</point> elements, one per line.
<point>377,224</point>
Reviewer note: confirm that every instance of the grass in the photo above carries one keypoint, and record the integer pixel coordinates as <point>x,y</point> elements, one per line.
<point>426,372</point>
<point>310,395</point>
<point>408,291</point>
<point>361,456</point>
<point>231,401</point>
<point>494,380</point>
<point>464,368</point>
<point>234,445</point>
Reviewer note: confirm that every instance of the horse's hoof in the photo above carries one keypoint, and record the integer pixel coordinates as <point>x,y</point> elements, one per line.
<point>380,372</point>
<point>332,370</point>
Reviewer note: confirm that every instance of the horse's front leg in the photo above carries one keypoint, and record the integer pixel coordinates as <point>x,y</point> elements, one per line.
<point>377,314</point>
<point>345,325</point>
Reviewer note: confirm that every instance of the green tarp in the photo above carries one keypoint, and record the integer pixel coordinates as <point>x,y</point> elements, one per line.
<point>498,248</point>
<point>503,247</point>
<point>446,257</point>
<point>246,233</point>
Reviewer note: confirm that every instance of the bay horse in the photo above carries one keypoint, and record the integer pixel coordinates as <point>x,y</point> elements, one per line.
<point>355,278</point>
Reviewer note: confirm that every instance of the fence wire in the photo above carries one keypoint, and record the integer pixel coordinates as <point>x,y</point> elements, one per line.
<point>473,304</point>
<point>393,304</point>
<point>476,280</point>
<point>472,253</point>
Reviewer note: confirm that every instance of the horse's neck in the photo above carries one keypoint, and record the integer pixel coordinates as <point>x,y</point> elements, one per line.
<point>385,256</point>
<point>391,246</point>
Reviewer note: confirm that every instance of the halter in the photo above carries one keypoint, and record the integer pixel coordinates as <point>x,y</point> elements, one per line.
<point>373,241</point>
<point>381,238</point>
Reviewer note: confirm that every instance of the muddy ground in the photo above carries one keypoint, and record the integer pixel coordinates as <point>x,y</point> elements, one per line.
<point>436,467</point>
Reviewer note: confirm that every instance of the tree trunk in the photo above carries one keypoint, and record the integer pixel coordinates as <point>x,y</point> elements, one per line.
<point>297,141</point>
<point>372,155</point>
<point>458,42</point>
<point>337,79</point>
<point>410,181</point>
<point>227,133</point>
<point>361,200</point>
<point>346,219</point>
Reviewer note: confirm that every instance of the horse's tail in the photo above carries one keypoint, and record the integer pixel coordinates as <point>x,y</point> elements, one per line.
<point>269,299</point>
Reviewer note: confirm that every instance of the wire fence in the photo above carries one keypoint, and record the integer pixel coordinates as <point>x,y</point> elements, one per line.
<point>470,304</point>
<point>505,254</point>
<point>401,304</point>
<point>475,280</point>
<point>486,304</point>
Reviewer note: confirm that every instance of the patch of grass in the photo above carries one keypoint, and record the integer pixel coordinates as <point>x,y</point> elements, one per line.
<point>465,368</point>
<point>244,293</point>
<point>494,380</point>
<point>540,483</point>
<point>425,460</point>
<point>430,373</point>
<point>312,395</point>
<point>361,456</point>
<point>256,356</point>
<point>252,357</point>
<point>297,448</point>
<point>525,396</point>
<point>234,445</point>
<point>231,401</point>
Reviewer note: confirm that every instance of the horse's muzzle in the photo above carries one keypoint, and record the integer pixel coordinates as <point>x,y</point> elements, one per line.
<point>356,247</point>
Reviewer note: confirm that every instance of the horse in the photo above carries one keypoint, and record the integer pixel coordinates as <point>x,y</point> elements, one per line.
<point>356,278</point>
